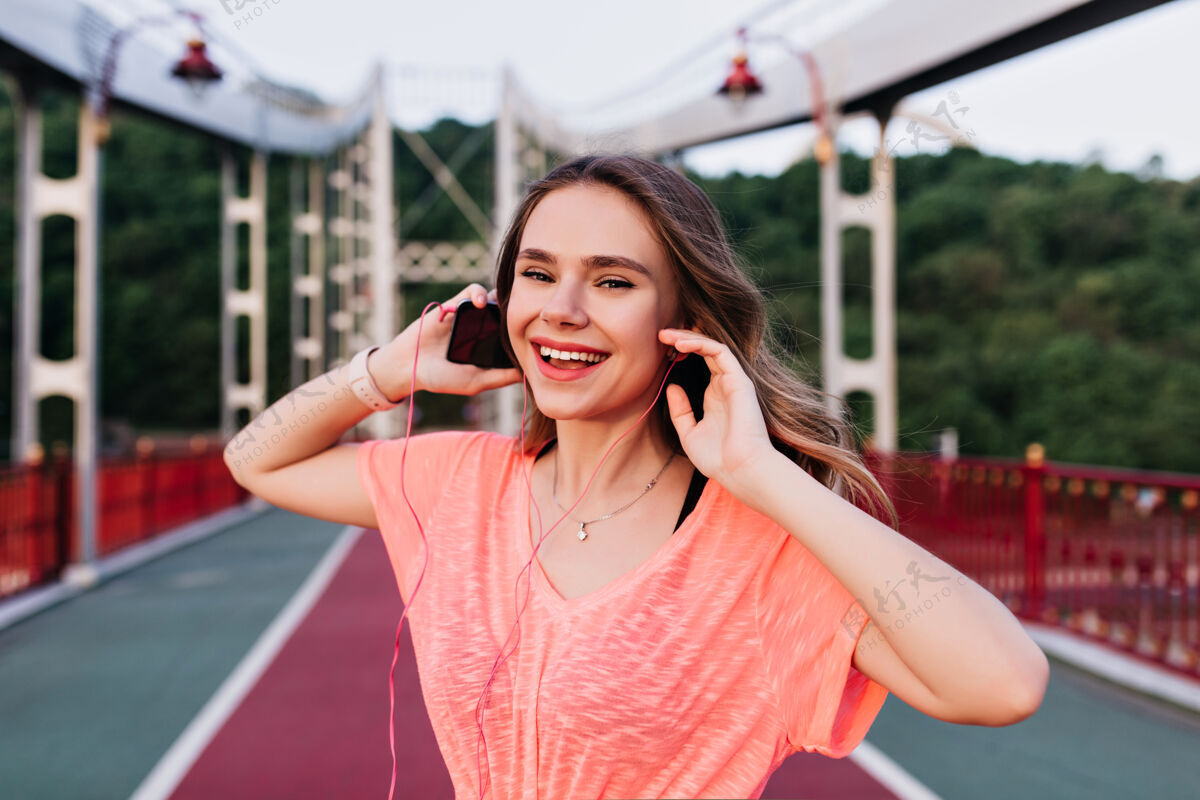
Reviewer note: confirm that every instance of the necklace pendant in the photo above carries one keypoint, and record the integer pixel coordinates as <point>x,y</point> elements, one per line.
<point>582,531</point>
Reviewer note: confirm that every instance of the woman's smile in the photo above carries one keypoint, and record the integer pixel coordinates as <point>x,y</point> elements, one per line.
<point>566,369</point>
<point>576,360</point>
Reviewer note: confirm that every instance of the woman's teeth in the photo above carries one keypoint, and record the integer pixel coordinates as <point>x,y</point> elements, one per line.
<point>565,355</point>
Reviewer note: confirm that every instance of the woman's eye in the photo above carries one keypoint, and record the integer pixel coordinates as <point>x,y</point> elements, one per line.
<point>605,283</point>
<point>616,283</point>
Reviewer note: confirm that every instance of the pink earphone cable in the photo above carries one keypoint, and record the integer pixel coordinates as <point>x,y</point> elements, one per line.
<point>403,457</point>
<point>502,656</point>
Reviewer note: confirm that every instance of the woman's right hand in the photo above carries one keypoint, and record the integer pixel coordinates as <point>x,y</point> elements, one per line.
<point>391,364</point>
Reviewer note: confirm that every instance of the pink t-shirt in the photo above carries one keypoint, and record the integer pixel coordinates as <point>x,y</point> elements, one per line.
<point>694,675</point>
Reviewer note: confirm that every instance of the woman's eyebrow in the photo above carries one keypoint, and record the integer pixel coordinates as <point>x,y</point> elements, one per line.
<point>602,262</point>
<point>533,254</point>
<point>592,262</point>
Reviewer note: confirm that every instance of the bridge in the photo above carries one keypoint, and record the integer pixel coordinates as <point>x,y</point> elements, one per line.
<point>150,587</point>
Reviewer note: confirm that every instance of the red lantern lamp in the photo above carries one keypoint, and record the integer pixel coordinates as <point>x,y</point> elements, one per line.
<point>195,68</point>
<point>741,82</point>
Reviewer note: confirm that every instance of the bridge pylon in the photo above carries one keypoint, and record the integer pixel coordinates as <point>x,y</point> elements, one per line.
<point>78,377</point>
<point>875,211</point>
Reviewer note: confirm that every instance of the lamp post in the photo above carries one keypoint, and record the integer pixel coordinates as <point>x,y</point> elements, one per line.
<point>841,373</point>
<point>195,67</point>
<point>741,83</point>
<point>95,129</point>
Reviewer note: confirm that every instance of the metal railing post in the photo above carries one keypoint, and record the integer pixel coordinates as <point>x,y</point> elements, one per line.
<point>1035,534</point>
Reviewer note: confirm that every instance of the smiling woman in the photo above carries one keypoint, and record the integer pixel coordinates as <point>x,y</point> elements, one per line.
<point>703,622</point>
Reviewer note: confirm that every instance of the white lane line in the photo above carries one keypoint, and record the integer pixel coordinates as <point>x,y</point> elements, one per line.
<point>898,781</point>
<point>175,763</point>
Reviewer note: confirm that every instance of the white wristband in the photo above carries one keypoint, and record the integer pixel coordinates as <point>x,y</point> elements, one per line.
<point>364,386</point>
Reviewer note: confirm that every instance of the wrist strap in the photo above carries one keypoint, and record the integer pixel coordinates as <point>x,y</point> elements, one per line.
<point>364,386</point>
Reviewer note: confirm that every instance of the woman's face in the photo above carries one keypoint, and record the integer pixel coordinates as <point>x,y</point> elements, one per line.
<point>591,289</point>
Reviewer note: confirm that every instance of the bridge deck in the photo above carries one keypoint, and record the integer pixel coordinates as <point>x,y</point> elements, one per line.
<point>94,692</point>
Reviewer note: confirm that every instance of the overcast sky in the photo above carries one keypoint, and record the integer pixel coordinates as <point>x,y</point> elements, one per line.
<point>1125,90</point>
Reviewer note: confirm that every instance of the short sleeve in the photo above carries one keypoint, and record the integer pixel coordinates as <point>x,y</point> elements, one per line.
<point>429,468</point>
<point>809,626</point>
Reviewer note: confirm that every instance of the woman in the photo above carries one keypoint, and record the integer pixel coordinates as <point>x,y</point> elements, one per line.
<point>642,596</point>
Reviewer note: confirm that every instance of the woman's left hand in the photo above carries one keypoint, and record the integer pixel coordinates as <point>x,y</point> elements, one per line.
<point>732,437</point>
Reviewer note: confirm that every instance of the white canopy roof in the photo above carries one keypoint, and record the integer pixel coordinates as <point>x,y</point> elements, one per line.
<point>869,57</point>
<point>71,37</point>
<point>868,60</point>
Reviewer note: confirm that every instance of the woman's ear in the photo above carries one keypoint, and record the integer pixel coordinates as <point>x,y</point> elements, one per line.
<point>686,324</point>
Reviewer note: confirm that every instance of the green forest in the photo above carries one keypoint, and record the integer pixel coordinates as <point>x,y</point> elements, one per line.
<point>1047,302</point>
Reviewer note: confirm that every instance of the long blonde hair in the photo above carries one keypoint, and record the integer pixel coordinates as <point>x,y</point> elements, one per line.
<point>718,298</point>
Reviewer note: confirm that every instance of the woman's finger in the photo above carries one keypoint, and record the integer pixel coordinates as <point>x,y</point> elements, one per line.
<point>474,292</point>
<point>680,409</point>
<point>717,356</point>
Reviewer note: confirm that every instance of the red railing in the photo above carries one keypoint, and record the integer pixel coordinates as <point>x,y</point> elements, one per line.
<point>137,497</point>
<point>1112,554</point>
<point>1109,553</point>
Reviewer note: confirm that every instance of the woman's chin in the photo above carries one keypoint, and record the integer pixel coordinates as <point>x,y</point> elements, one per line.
<point>563,412</point>
<point>576,412</point>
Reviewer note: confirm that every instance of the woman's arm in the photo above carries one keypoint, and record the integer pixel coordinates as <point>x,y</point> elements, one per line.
<point>936,639</point>
<point>306,421</point>
<point>287,455</point>
<point>962,657</point>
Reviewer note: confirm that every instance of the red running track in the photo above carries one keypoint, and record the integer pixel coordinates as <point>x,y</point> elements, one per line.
<point>315,724</point>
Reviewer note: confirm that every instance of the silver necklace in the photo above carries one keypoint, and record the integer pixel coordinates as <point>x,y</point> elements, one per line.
<point>582,532</point>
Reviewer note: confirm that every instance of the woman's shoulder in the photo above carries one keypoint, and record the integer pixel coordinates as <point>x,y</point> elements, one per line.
<point>435,456</point>
<point>726,511</point>
<point>449,444</point>
<point>734,532</point>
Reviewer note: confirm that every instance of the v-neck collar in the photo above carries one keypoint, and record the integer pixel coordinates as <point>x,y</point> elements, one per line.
<point>539,577</point>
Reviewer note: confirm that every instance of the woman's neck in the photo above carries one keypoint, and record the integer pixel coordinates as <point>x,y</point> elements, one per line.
<point>634,460</point>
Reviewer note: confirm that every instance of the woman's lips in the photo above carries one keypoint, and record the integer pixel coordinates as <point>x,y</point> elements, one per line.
<point>563,373</point>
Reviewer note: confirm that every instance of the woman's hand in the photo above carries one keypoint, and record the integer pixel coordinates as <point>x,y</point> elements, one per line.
<point>732,437</point>
<point>392,364</point>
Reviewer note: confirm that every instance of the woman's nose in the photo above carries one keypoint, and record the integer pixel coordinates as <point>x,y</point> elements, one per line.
<point>564,307</point>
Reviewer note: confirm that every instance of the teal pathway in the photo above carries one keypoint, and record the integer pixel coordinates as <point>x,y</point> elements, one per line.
<point>1089,740</point>
<point>93,691</point>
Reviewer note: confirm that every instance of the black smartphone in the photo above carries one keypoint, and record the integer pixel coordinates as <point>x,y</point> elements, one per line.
<point>475,337</point>
<point>693,375</point>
